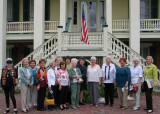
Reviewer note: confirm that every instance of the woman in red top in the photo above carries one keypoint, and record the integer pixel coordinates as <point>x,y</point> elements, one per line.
<point>41,76</point>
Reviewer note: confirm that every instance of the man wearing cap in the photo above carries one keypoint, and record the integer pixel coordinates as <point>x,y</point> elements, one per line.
<point>109,74</point>
<point>8,84</point>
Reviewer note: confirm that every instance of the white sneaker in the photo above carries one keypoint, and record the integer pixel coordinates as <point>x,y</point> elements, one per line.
<point>135,108</point>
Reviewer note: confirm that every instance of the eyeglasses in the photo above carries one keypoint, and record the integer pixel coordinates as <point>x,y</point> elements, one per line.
<point>9,62</point>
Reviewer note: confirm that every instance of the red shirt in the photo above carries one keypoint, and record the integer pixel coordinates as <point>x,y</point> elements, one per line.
<point>42,79</point>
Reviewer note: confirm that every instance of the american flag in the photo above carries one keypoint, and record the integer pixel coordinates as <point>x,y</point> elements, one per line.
<point>84,31</point>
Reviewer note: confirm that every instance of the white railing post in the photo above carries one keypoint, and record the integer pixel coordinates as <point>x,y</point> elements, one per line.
<point>105,38</point>
<point>60,29</point>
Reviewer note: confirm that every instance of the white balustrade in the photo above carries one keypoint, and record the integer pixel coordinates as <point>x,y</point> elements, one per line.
<point>150,24</point>
<point>28,27</point>
<point>120,25</point>
<point>20,27</point>
<point>73,41</point>
<point>51,26</point>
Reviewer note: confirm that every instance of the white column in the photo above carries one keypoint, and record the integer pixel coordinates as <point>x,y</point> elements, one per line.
<point>63,13</point>
<point>134,15</point>
<point>39,25</point>
<point>109,15</point>
<point>3,19</point>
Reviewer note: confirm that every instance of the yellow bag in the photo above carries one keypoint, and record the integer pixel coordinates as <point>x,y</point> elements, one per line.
<point>50,101</point>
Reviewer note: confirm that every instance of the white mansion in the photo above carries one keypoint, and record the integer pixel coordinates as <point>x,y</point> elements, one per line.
<point>51,28</point>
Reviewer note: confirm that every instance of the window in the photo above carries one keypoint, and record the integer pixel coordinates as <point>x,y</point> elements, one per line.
<point>9,11</point>
<point>145,52</point>
<point>26,12</point>
<point>102,8</point>
<point>154,9</point>
<point>12,10</point>
<point>75,13</point>
<point>149,9</point>
<point>31,10</point>
<point>144,9</point>
<point>15,10</point>
<point>47,10</point>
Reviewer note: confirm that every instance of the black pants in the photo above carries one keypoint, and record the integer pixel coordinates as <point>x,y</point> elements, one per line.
<point>148,93</point>
<point>9,91</point>
<point>69,95</point>
<point>57,94</point>
<point>63,93</point>
<point>41,98</point>
<point>54,89</point>
<point>109,93</point>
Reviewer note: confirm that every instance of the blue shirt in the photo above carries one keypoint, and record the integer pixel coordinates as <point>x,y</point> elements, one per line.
<point>122,76</point>
<point>34,75</point>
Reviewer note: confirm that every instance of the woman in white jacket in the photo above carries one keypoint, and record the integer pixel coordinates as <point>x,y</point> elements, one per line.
<point>51,76</point>
<point>136,76</point>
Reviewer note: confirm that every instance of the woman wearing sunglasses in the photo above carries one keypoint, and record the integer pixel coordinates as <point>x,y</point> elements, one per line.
<point>8,84</point>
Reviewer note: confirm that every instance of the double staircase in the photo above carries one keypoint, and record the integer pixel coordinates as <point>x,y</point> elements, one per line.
<point>68,44</point>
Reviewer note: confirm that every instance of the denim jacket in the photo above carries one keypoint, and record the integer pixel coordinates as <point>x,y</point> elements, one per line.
<point>25,79</point>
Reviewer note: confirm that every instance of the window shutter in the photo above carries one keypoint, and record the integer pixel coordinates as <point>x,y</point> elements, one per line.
<point>154,9</point>
<point>26,8</point>
<point>47,10</point>
<point>15,10</point>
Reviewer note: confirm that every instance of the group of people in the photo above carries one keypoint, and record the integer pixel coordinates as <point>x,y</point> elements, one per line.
<point>67,79</point>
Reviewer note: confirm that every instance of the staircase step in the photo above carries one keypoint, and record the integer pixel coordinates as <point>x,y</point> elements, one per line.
<point>111,54</point>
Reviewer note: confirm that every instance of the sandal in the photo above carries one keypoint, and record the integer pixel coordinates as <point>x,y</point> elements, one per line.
<point>7,111</point>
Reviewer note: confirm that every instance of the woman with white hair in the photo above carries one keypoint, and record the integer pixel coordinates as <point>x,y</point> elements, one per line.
<point>109,74</point>
<point>136,76</point>
<point>51,76</point>
<point>94,80</point>
<point>150,81</point>
<point>75,75</point>
<point>26,84</point>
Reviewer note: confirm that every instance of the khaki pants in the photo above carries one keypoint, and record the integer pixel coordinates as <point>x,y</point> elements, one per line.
<point>25,95</point>
<point>122,97</point>
<point>137,96</point>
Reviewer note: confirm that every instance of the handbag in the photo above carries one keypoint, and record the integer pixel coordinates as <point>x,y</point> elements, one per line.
<point>50,101</point>
<point>134,90</point>
<point>80,80</point>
